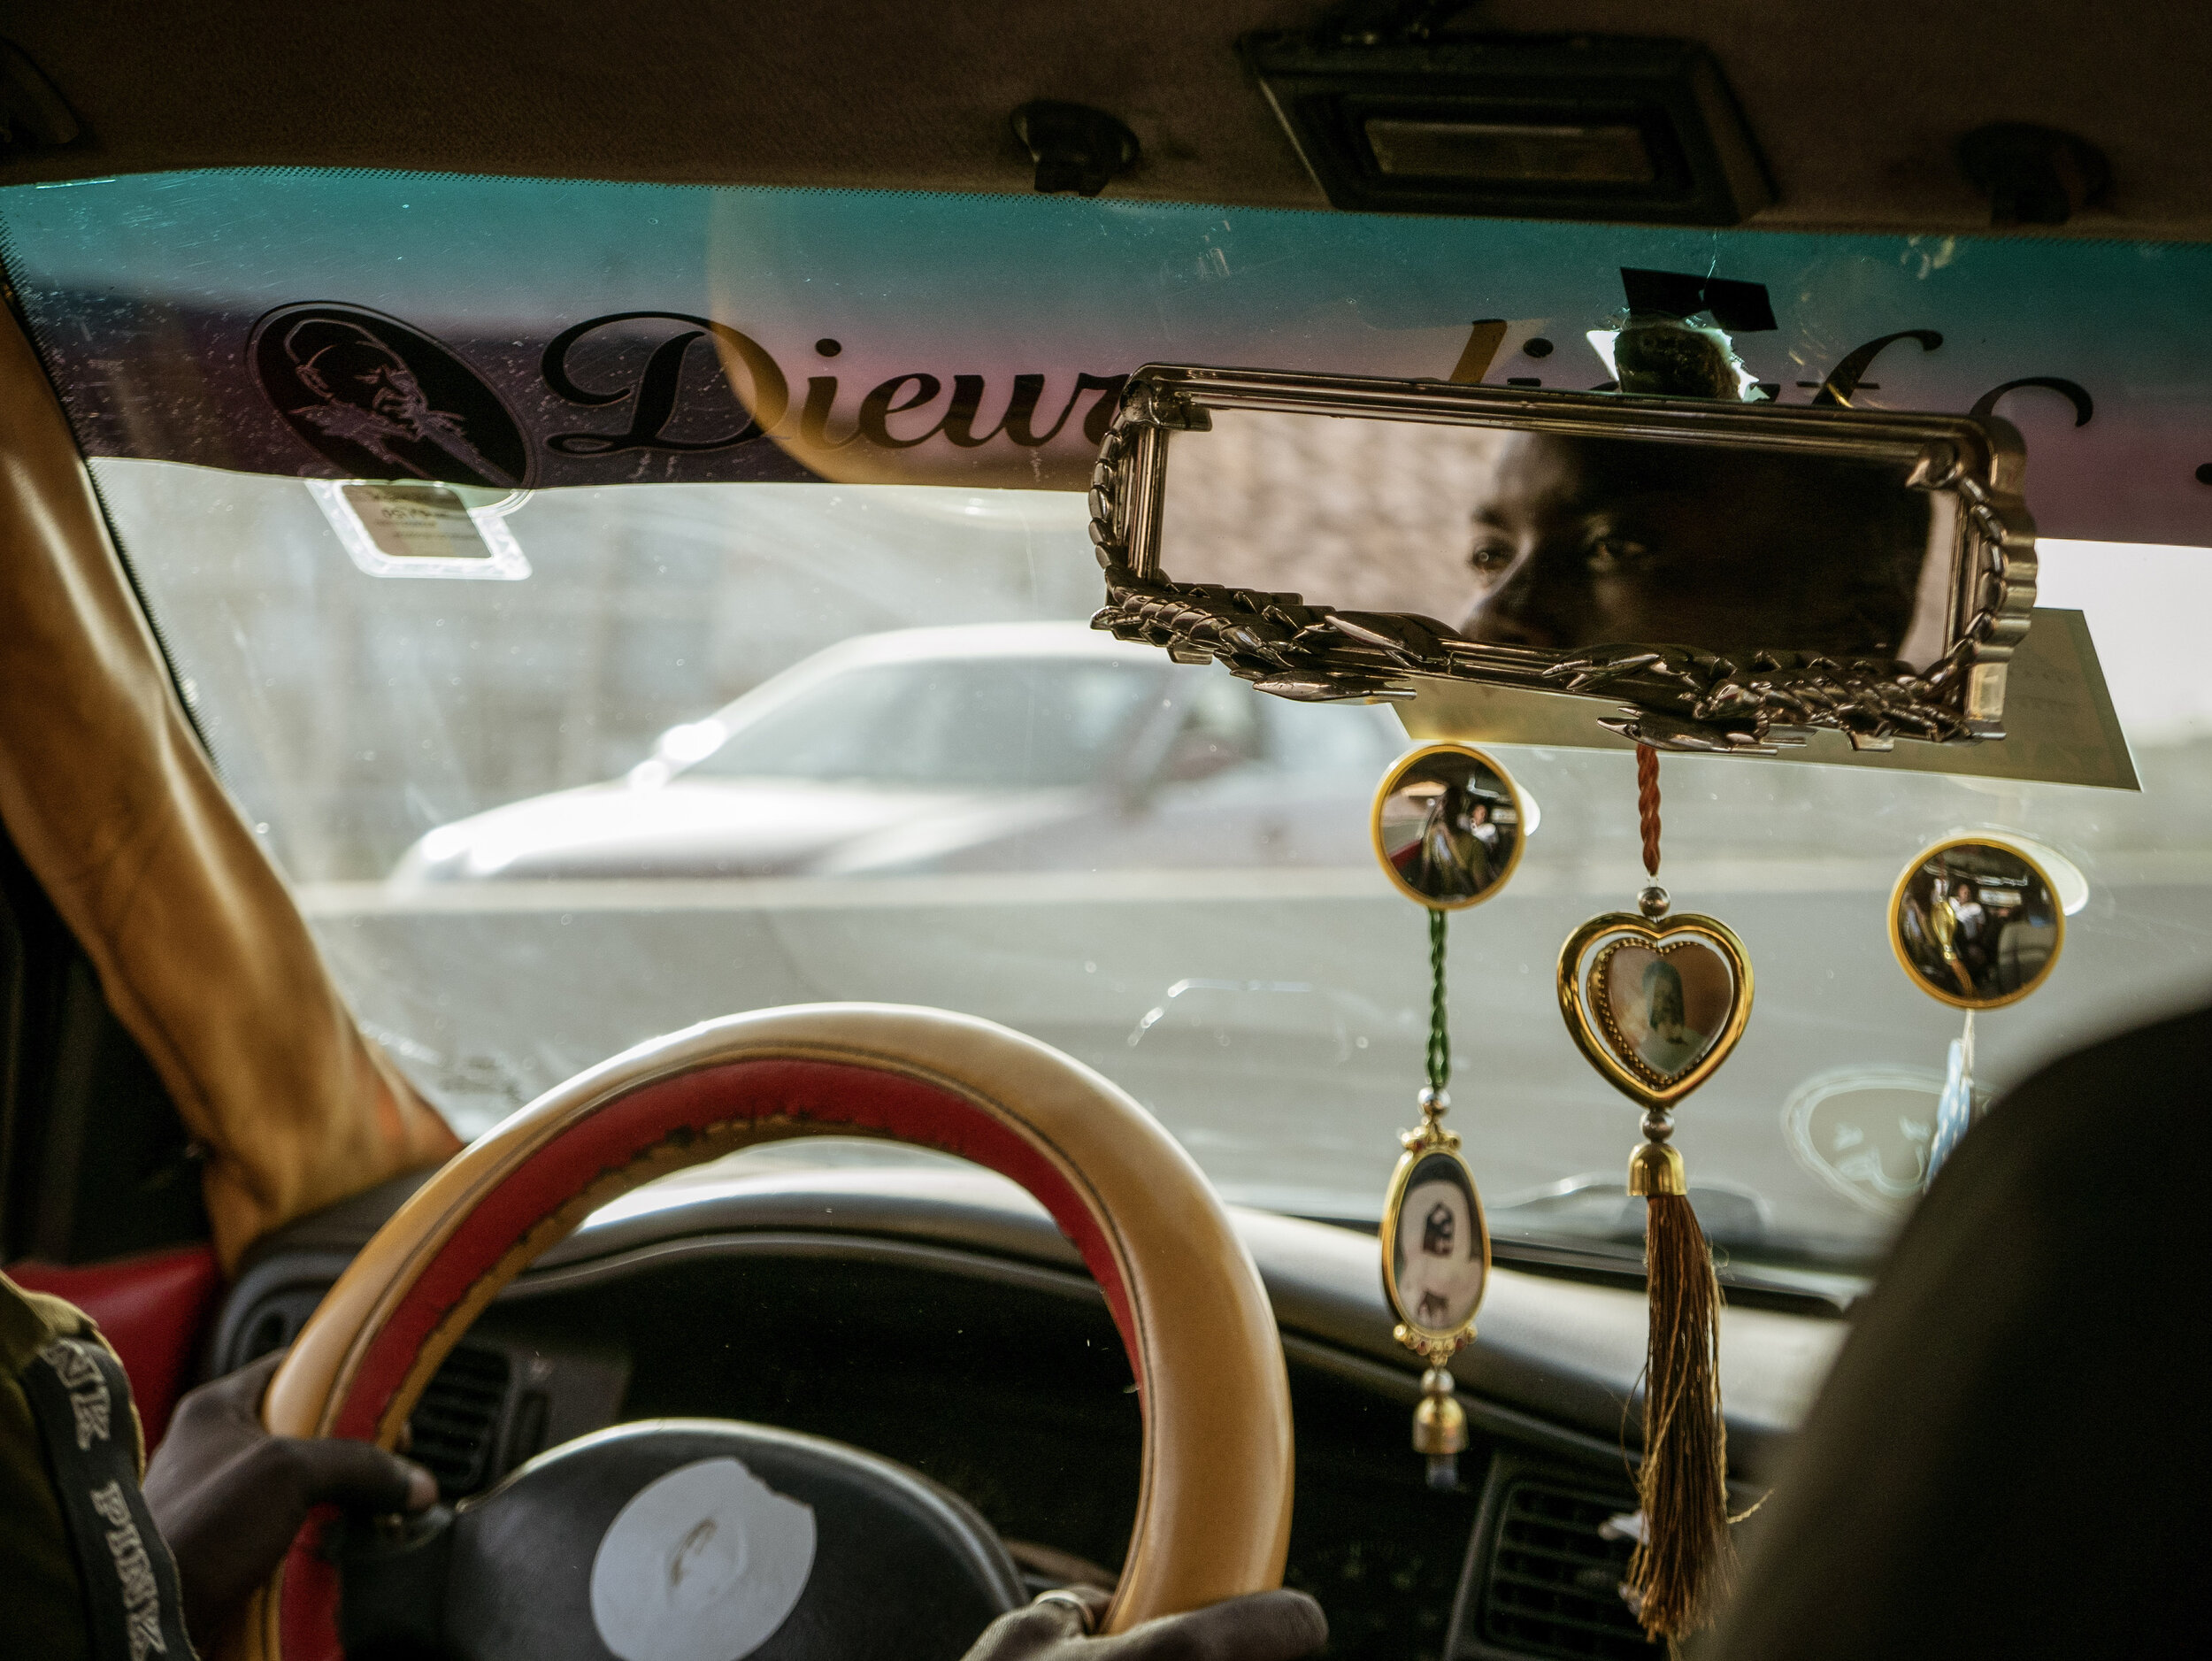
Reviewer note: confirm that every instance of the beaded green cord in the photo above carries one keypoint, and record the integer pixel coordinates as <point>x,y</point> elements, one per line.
<point>1440,1057</point>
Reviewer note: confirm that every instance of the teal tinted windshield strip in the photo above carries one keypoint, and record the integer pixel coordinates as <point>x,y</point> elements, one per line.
<point>507,331</point>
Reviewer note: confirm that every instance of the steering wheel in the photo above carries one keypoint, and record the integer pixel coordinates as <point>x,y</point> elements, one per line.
<point>647,1526</point>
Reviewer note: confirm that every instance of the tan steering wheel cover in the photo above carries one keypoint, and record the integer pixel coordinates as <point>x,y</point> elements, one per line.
<point>1214,1505</point>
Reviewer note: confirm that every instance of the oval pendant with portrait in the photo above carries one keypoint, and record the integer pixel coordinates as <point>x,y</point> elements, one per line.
<point>1435,1247</point>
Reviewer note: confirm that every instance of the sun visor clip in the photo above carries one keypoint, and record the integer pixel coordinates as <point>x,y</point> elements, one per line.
<point>1075,147</point>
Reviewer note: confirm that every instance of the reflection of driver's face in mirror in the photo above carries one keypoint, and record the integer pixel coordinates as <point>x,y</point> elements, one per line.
<point>1584,541</point>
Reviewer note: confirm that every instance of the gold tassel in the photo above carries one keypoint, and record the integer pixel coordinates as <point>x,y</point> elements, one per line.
<point>1684,1560</point>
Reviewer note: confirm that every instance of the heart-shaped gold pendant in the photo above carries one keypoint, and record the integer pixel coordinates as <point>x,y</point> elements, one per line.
<point>1656,1007</point>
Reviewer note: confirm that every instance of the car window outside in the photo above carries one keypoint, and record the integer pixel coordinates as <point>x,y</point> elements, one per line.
<point>1146,863</point>
<point>774,432</point>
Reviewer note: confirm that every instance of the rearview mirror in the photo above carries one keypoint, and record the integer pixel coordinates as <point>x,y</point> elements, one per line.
<point>1733,573</point>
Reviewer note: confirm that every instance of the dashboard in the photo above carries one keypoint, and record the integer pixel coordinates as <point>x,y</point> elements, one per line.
<point>939,1319</point>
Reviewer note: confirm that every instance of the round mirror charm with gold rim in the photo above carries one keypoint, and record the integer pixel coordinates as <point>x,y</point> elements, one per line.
<point>1976,922</point>
<point>1449,825</point>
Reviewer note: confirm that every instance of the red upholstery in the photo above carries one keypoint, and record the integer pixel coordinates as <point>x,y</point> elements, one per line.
<point>154,1310</point>
<point>828,1094</point>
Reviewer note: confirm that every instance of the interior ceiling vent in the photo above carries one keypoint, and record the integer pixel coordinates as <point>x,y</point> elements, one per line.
<point>1553,1586</point>
<point>455,1425</point>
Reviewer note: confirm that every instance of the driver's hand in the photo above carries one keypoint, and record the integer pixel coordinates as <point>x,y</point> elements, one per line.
<point>229,1497</point>
<point>1266,1627</point>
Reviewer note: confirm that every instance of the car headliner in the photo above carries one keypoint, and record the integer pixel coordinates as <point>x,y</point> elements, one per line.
<point>1856,107</point>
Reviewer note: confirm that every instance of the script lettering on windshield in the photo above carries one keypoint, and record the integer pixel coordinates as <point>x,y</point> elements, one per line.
<point>369,396</point>
<point>372,396</point>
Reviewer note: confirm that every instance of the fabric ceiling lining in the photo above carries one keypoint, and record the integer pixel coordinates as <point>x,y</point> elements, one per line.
<point>1858,108</point>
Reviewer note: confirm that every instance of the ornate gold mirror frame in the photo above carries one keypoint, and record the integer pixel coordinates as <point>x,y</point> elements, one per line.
<point>1673,696</point>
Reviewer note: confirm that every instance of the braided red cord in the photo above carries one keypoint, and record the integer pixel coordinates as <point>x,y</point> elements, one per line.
<point>1647,805</point>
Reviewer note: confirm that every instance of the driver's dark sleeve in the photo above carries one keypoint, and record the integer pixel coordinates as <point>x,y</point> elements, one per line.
<point>42,1594</point>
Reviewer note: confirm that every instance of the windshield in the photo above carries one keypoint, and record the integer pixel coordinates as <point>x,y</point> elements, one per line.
<point>559,760</point>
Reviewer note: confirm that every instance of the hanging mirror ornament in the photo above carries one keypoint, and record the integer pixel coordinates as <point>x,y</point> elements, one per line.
<point>1655,1001</point>
<point>1448,827</point>
<point>1977,923</point>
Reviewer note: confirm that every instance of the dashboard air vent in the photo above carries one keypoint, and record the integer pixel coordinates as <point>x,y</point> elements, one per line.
<point>1553,1586</point>
<point>455,1425</point>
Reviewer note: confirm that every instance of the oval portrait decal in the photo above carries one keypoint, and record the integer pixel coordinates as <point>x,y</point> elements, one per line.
<point>378,399</point>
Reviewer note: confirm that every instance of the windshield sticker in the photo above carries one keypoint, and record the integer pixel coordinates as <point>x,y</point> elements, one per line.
<point>378,400</point>
<point>427,529</point>
<point>492,332</point>
<point>1865,1131</point>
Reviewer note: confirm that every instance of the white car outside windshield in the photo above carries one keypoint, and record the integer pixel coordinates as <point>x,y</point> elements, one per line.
<point>992,746</point>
